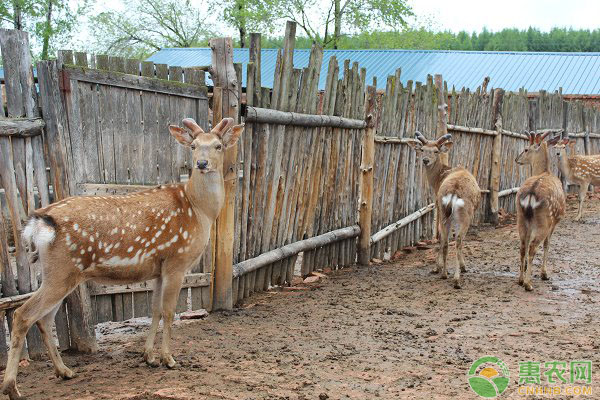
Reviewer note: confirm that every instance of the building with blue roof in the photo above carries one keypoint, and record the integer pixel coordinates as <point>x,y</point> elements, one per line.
<point>575,73</point>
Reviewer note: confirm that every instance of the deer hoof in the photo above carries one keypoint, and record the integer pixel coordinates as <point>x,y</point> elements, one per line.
<point>65,373</point>
<point>435,271</point>
<point>168,361</point>
<point>151,360</point>
<point>457,284</point>
<point>10,388</point>
<point>463,268</point>
<point>520,281</point>
<point>545,276</point>
<point>528,287</point>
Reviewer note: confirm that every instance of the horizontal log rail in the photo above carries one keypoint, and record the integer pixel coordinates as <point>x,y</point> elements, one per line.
<point>292,249</point>
<point>128,81</point>
<point>388,230</point>
<point>190,281</point>
<point>268,116</point>
<point>508,192</point>
<point>21,127</point>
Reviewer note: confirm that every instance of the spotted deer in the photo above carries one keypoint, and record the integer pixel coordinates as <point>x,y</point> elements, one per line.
<point>156,234</point>
<point>541,204</point>
<point>579,170</point>
<point>457,195</point>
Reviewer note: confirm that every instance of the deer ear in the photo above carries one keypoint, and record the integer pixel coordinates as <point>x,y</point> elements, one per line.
<point>181,135</point>
<point>231,137</point>
<point>415,144</point>
<point>446,146</point>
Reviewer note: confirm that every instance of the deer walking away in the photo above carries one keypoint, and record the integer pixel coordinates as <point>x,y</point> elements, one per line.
<point>541,205</point>
<point>154,234</point>
<point>457,196</point>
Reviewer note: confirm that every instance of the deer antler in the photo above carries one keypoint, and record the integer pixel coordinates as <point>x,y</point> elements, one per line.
<point>420,137</point>
<point>554,140</point>
<point>222,127</point>
<point>443,139</point>
<point>531,137</point>
<point>192,126</point>
<point>541,137</point>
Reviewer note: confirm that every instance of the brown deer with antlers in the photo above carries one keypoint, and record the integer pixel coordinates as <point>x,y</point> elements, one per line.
<point>579,170</point>
<point>541,204</point>
<point>457,195</point>
<point>154,234</point>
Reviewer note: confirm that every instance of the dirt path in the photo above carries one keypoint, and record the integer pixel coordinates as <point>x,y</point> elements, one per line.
<point>386,331</point>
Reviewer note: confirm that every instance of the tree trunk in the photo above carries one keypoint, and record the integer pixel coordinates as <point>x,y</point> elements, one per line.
<point>337,17</point>
<point>242,37</point>
<point>18,22</point>
<point>47,31</point>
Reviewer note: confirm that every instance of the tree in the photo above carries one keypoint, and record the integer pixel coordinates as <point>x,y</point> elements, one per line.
<point>248,16</point>
<point>324,21</point>
<point>149,25</point>
<point>50,22</point>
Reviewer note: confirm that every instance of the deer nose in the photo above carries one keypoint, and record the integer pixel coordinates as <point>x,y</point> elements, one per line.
<point>202,164</point>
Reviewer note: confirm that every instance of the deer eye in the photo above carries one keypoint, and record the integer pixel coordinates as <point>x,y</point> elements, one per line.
<point>219,147</point>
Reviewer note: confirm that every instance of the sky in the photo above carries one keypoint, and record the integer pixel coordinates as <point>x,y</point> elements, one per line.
<point>473,15</point>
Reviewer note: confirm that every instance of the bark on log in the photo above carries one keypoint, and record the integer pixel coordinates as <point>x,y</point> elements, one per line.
<point>388,230</point>
<point>294,248</point>
<point>268,116</point>
<point>507,192</point>
<point>21,127</point>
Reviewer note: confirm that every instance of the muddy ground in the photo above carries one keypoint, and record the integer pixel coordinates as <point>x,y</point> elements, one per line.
<point>385,331</point>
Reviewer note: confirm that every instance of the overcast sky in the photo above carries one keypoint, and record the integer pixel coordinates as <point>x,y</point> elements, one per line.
<point>473,15</point>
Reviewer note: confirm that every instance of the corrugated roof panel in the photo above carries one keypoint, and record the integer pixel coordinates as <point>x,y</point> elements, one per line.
<point>576,73</point>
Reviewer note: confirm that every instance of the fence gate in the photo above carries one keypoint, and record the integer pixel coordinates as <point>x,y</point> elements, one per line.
<point>118,113</point>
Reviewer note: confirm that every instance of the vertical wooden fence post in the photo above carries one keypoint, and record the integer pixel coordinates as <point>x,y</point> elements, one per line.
<point>365,210</point>
<point>224,76</point>
<point>81,335</point>
<point>21,102</point>
<point>496,156</point>
<point>441,129</point>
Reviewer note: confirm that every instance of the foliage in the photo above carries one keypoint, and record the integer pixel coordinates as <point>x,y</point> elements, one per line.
<point>248,16</point>
<point>532,39</point>
<point>326,21</point>
<point>50,23</point>
<point>149,25</point>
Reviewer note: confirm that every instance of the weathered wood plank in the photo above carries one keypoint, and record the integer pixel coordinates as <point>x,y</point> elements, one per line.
<point>145,83</point>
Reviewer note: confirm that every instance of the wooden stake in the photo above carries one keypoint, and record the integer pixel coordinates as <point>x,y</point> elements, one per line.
<point>224,76</point>
<point>365,210</point>
<point>496,157</point>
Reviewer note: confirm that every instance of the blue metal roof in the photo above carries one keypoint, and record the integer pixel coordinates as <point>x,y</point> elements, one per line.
<point>576,73</point>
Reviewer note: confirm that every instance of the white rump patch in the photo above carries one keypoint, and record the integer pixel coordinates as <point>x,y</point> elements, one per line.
<point>530,200</point>
<point>37,232</point>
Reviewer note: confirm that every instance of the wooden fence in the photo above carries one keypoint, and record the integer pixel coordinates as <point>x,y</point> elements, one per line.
<point>317,177</point>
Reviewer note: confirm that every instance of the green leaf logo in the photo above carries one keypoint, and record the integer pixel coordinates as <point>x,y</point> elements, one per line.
<point>488,377</point>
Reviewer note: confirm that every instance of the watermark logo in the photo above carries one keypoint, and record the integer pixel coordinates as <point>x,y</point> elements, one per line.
<point>489,377</point>
<point>555,378</point>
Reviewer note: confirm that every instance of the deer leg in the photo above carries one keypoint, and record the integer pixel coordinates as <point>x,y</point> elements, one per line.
<point>532,250</point>
<point>583,188</point>
<point>544,274</point>
<point>523,265</point>
<point>444,237</point>
<point>45,327</point>
<point>170,292</point>
<point>156,315</point>
<point>40,304</point>
<point>460,256</point>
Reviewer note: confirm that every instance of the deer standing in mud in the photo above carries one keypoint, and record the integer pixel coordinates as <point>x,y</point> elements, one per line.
<point>579,170</point>
<point>541,204</point>
<point>154,234</point>
<point>457,195</point>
